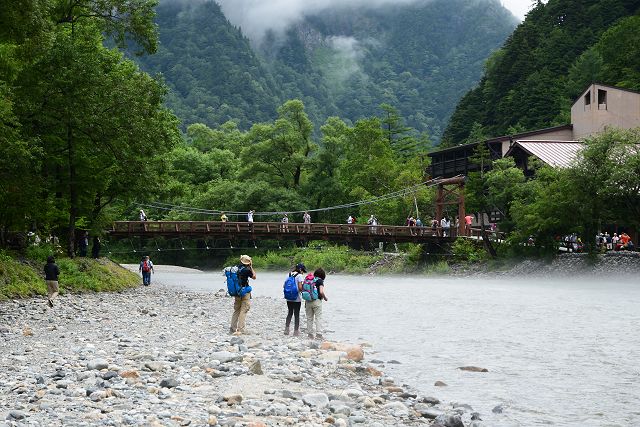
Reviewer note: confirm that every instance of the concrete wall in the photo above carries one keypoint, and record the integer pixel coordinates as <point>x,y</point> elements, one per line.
<point>622,110</point>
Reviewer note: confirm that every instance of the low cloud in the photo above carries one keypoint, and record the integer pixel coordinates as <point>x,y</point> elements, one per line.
<point>256,17</point>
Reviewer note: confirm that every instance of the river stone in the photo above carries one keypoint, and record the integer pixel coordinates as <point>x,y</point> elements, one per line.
<point>97,364</point>
<point>430,400</point>
<point>473,369</point>
<point>232,399</point>
<point>497,409</point>
<point>256,368</point>
<point>16,415</point>
<point>224,356</point>
<point>318,400</point>
<point>398,409</point>
<point>169,383</point>
<point>440,384</point>
<point>155,366</point>
<point>447,420</point>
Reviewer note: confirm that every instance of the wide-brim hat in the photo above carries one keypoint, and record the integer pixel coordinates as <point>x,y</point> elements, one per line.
<point>245,259</point>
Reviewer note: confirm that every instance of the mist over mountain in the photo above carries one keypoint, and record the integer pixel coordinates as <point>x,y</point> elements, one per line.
<point>240,59</point>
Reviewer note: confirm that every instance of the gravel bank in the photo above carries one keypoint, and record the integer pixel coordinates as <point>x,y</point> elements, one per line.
<point>159,356</point>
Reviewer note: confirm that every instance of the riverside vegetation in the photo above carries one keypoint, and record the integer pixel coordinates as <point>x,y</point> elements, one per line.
<point>21,275</point>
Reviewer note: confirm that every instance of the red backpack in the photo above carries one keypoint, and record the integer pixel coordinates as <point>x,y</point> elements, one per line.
<point>146,267</point>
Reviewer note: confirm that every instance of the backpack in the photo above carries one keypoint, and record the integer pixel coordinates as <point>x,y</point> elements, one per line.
<point>146,267</point>
<point>234,288</point>
<point>291,288</point>
<point>309,289</point>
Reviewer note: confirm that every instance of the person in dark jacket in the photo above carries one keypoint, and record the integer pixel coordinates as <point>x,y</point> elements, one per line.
<point>95,249</point>
<point>51,273</point>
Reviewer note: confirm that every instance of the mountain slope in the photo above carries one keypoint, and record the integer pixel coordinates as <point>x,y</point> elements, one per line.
<point>559,48</point>
<point>420,58</point>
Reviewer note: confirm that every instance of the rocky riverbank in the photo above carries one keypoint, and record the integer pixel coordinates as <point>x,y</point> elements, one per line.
<point>617,264</point>
<point>160,356</point>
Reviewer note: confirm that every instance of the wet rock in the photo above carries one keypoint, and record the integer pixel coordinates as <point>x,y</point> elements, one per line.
<point>440,384</point>
<point>448,420</point>
<point>497,409</point>
<point>429,399</point>
<point>473,369</point>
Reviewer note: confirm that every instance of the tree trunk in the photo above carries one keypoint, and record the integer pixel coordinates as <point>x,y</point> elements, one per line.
<point>73,193</point>
<point>486,242</point>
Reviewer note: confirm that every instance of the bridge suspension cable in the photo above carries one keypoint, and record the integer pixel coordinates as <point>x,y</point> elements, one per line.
<point>396,194</point>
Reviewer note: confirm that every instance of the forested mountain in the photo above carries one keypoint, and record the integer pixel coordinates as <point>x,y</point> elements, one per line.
<point>419,57</point>
<point>559,49</point>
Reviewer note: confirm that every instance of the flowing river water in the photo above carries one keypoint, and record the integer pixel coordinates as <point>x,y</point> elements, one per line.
<point>558,351</point>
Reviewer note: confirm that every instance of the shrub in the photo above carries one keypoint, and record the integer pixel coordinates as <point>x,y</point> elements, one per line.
<point>467,250</point>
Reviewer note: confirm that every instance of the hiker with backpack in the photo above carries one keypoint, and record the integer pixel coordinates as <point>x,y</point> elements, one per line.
<point>146,268</point>
<point>312,292</point>
<point>238,287</point>
<point>292,295</point>
<point>51,273</point>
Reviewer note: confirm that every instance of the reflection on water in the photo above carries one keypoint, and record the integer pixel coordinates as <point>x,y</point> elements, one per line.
<point>558,352</point>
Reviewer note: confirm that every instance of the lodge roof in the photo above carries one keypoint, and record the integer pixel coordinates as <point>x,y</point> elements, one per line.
<point>553,153</point>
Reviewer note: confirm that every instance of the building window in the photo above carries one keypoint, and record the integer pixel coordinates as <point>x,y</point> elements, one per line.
<point>602,99</point>
<point>587,101</point>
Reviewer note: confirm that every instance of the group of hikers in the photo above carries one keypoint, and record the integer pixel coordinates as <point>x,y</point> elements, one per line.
<point>299,286</point>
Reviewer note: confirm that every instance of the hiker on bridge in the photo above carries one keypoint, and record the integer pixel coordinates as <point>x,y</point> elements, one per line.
<point>143,216</point>
<point>241,304</point>
<point>285,223</point>
<point>306,218</point>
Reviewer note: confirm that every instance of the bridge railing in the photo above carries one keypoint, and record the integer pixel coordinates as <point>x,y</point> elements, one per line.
<point>272,228</point>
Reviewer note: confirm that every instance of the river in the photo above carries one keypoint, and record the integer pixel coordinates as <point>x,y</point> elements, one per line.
<point>559,352</point>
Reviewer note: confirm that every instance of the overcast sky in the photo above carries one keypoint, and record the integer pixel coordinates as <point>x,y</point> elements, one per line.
<point>518,7</point>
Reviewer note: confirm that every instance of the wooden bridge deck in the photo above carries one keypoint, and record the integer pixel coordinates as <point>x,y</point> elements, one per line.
<point>278,231</point>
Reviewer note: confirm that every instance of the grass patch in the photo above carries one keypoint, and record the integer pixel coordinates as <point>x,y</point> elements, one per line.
<point>22,279</point>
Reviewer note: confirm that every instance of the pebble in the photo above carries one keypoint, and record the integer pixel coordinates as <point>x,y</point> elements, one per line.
<point>109,362</point>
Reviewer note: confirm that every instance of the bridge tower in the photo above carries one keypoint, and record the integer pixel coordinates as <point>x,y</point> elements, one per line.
<point>450,191</point>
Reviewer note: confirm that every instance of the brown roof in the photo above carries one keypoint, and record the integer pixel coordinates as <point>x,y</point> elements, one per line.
<point>554,153</point>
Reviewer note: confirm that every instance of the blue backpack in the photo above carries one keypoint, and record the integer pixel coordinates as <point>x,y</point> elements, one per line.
<point>233,282</point>
<point>291,288</point>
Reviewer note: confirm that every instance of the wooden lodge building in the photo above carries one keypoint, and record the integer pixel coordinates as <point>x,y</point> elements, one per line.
<point>598,107</point>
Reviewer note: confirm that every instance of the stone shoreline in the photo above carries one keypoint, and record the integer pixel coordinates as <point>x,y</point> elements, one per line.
<point>620,264</point>
<point>162,357</point>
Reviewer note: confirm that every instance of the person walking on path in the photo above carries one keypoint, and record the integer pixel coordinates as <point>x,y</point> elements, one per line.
<point>143,216</point>
<point>146,268</point>
<point>293,305</point>
<point>51,273</point>
<point>314,287</point>
<point>223,217</point>
<point>95,249</point>
<point>241,304</point>
<point>83,244</point>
